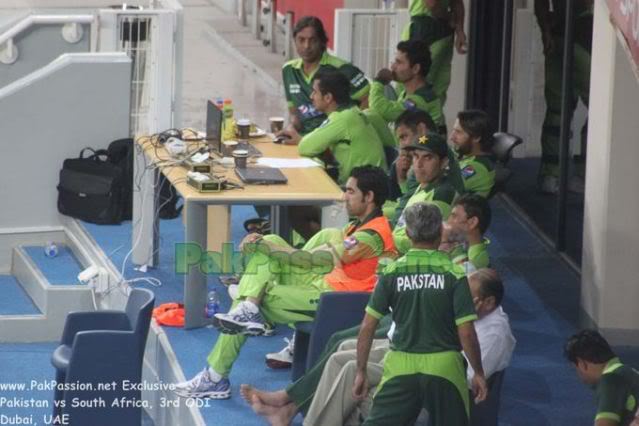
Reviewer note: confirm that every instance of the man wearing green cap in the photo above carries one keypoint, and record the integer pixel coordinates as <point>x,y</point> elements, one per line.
<point>430,158</point>
<point>472,140</point>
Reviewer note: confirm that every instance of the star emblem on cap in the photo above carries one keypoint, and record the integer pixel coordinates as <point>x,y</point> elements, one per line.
<point>423,140</point>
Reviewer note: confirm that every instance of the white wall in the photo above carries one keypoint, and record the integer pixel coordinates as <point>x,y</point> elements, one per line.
<point>611,229</point>
<point>51,115</point>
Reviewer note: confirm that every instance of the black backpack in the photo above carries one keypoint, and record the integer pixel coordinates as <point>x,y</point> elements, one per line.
<point>120,153</point>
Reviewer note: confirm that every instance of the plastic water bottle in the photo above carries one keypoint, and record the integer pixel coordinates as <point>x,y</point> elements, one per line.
<point>212,304</point>
<point>51,249</point>
<point>229,123</point>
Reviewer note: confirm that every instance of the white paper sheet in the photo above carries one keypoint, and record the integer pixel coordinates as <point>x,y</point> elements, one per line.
<point>287,163</point>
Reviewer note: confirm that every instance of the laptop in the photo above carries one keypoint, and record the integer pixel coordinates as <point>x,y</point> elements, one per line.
<point>214,117</point>
<point>261,175</point>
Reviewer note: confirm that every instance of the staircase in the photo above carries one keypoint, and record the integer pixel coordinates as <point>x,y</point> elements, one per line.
<point>43,290</point>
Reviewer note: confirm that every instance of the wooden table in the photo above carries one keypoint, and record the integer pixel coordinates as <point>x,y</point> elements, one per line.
<point>306,186</point>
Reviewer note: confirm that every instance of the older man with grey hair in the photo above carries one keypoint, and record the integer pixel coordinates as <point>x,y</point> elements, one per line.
<point>433,311</point>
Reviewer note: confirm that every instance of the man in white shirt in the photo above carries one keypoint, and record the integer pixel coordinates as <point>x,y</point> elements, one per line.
<point>333,402</point>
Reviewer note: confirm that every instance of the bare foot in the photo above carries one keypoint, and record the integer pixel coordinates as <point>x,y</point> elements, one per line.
<point>275,416</point>
<point>275,399</point>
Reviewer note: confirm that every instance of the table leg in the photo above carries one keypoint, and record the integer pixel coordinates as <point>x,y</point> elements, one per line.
<point>195,279</point>
<point>145,238</point>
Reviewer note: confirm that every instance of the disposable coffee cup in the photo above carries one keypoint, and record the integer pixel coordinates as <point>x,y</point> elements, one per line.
<point>229,147</point>
<point>277,124</point>
<point>240,156</point>
<point>243,128</point>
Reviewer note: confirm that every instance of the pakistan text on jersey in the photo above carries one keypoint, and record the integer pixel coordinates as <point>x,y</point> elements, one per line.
<point>420,281</point>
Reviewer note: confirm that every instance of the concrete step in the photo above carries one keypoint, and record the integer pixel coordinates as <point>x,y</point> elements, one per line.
<point>54,301</point>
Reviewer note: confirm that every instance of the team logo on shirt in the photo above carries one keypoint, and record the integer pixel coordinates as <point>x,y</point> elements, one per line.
<point>294,88</point>
<point>468,171</point>
<point>410,105</point>
<point>308,111</point>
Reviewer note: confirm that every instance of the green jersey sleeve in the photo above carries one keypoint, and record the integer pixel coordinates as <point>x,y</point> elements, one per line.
<point>463,305</point>
<point>612,395</point>
<point>380,300</point>
<point>478,254</point>
<point>320,139</point>
<point>381,128</point>
<point>387,109</point>
<point>359,84</point>
<point>370,238</point>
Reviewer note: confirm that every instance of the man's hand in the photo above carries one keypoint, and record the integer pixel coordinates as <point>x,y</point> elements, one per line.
<point>402,167</point>
<point>251,238</point>
<point>360,385</point>
<point>460,41</point>
<point>292,134</point>
<point>479,387</point>
<point>384,76</point>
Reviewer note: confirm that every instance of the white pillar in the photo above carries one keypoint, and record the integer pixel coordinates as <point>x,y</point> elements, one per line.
<point>610,265</point>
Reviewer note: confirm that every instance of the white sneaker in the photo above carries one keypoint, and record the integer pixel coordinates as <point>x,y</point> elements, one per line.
<point>202,386</point>
<point>550,185</point>
<point>283,358</point>
<point>245,318</point>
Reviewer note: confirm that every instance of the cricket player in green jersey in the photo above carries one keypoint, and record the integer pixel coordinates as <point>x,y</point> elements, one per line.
<point>431,304</point>
<point>472,139</point>
<point>430,159</point>
<point>346,134</point>
<point>410,67</point>
<point>616,385</point>
<point>297,75</point>
<point>283,285</point>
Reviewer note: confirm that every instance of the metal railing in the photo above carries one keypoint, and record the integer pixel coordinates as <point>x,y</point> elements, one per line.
<point>71,32</point>
<point>278,34</point>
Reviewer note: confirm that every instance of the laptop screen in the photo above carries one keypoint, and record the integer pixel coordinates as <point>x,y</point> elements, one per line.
<point>214,118</point>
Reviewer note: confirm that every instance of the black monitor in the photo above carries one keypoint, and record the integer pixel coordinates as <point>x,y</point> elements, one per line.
<point>214,117</point>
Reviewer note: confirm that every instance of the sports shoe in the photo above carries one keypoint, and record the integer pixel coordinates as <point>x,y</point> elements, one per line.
<point>242,319</point>
<point>202,386</point>
<point>283,358</point>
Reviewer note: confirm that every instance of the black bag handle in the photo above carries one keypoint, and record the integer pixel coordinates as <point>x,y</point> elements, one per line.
<point>95,154</point>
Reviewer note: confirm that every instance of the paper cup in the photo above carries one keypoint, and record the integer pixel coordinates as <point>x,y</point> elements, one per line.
<point>241,157</point>
<point>228,147</point>
<point>243,128</point>
<point>277,124</point>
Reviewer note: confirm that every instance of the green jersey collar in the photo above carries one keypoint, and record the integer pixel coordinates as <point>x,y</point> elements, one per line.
<point>299,64</point>
<point>612,365</point>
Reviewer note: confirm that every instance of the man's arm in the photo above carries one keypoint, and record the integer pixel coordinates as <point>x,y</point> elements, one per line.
<point>458,14</point>
<point>321,139</point>
<point>293,118</point>
<point>470,345</point>
<point>364,342</point>
<point>542,13</point>
<point>389,110</point>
